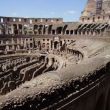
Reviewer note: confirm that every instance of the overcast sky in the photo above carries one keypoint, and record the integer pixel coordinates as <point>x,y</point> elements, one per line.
<point>69,10</point>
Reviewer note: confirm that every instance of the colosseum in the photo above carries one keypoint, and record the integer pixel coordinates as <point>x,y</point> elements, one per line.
<point>49,64</point>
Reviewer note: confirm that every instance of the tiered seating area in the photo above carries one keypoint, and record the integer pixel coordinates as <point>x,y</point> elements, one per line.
<point>70,56</point>
<point>89,47</point>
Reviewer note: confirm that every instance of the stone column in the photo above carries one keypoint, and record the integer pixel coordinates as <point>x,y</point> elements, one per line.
<point>58,45</point>
<point>12,30</point>
<point>12,42</point>
<point>23,29</point>
<point>24,43</point>
<point>0,31</point>
<point>18,47</point>
<point>7,48</point>
<point>53,45</point>
<point>46,30</point>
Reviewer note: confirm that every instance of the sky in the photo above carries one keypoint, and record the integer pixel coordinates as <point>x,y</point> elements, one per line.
<point>69,10</point>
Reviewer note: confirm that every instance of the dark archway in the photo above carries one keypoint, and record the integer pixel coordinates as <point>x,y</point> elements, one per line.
<point>40,30</point>
<point>100,103</point>
<point>71,32</point>
<point>53,31</point>
<point>67,32</point>
<point>31,45</point>
<point>49,29</point>
<point>15,29</point>
<point>35,27</point>
<point>20,27</point>
<point>75,32</point>
<point>55,44</point>
<point>108,101</point>
<point>59,30</point>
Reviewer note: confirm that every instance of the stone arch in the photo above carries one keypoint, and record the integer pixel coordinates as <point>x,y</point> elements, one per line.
<point>67,32</point>
<point>59,30</point>
<point>40,31</point>
<point>15,29</point>
<point>53,32</point>
<point>87,32</point>
<point>20,27</point>
<point>100,103</point>
<point>71,32</point>
<point>108,101</point>
<point>49,29</point>
<point>79,32</point>
<point>75,32</point>
<point>83,32</point>
<point>35,27</point>
<point>56,44</point>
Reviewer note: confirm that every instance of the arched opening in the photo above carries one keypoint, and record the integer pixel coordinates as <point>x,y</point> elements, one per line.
<point>25,28</point>
<point>56,45</point>
<point>75,32</point>
<point>59,30</point>
<point>88,19</point>
<point>67,32</point>
<point>93,19</point>
<point>98,17</point>
<point>60,43</point>
<point>31,45</point>
<point>91,32</point>
<point>15,29</point>
<point>40,29</point>
<point>108,101</point>
<point>79,32</point>
<point>53,32</point>
<point>83,32</point>
<point>35,27</point>
<point>87,32</point>
<point>44,29</point>
<point>20,28</point>
<point>71,32</point>
<point>49,29</point>
<point>39,45</point>
<point>100,103</point>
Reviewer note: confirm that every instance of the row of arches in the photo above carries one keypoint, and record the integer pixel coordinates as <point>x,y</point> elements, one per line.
<point>82,29</point>
<point>95,19</point>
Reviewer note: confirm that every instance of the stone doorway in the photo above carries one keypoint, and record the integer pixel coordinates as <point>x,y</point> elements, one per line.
<point>56,44</point>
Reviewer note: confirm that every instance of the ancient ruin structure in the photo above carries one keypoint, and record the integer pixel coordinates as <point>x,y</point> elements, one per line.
<point>49,64</point>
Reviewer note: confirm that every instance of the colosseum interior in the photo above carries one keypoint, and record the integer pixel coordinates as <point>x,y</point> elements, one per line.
<point>49,64</point>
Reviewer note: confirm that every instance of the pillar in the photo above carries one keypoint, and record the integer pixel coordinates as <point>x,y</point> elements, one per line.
<point>12,30</point>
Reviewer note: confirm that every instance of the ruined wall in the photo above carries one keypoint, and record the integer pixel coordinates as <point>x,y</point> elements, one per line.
<point>89,9</point>
<point>106,6</point>
<point>95,96</point>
